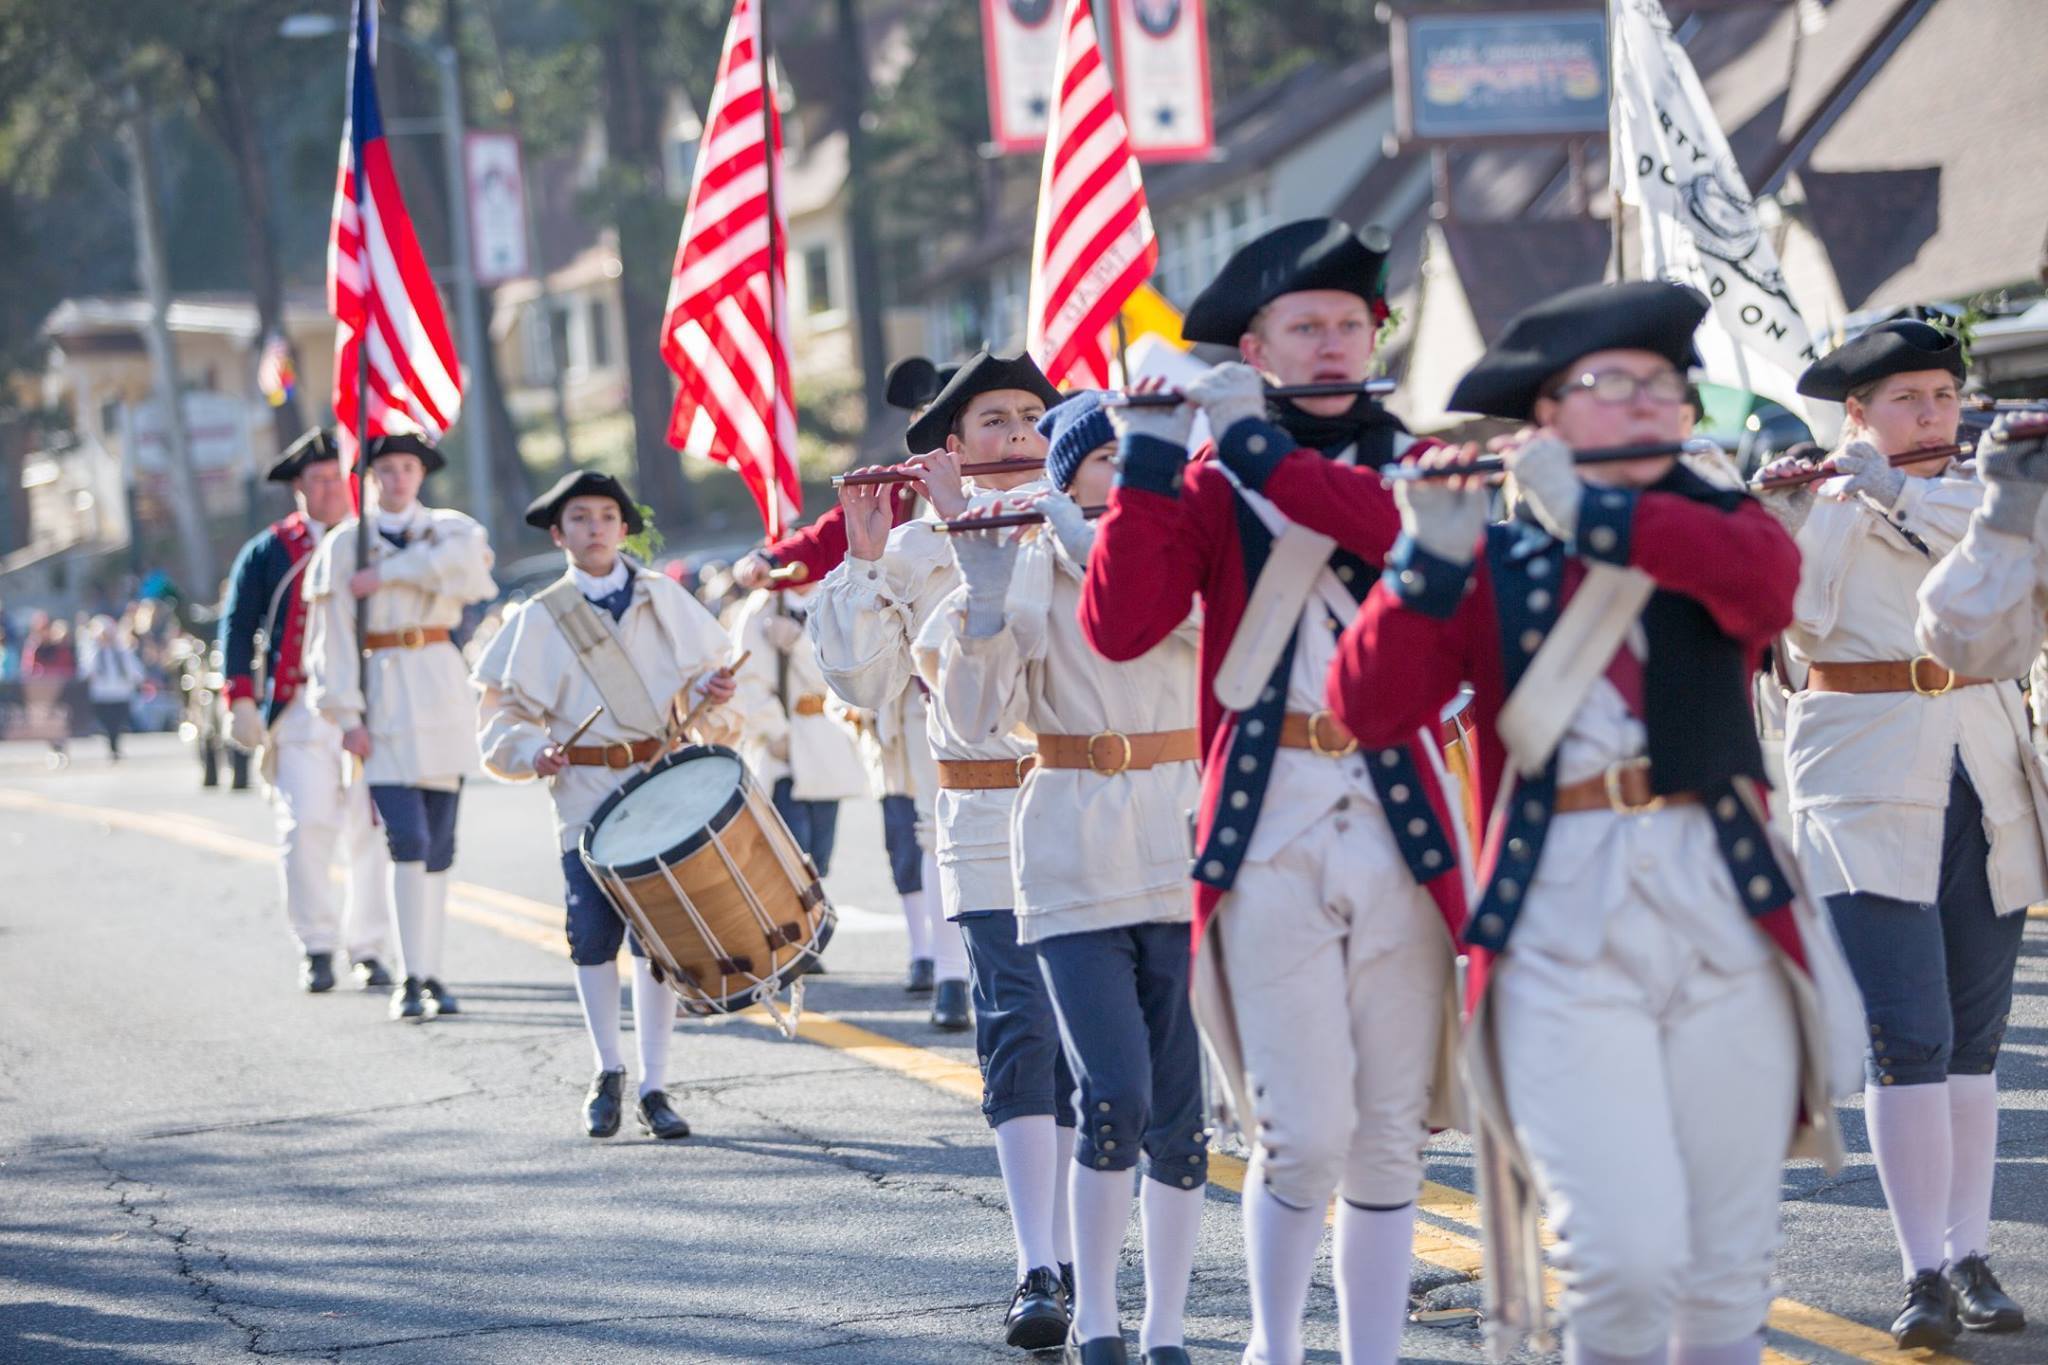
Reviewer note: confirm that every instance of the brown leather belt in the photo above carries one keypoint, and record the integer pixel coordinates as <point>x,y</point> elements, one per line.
<point>1920,674</point>
<point>1109,752</point>
<point>1624,789</point>
<point>983,774</point>
<point>617,754</point>
<point>408,637</point>
<point>809,704</point>
<point>1321,733</point>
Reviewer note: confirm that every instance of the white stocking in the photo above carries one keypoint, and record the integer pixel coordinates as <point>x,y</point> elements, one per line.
<point>654,1023</point>
<point>1102,1211</point>
<point>1909,1135</point>
<point>598,988</point>
<point>1173,1224</point>
<point>1029,1158</point>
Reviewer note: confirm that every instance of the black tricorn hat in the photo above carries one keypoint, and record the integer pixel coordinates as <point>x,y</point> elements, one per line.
<point>407,443</point>
<point>1544,339</point>
<point>310,449</point>
<point>911,383</point>
<point>1314,253</point>
<point>546,509</point>
<point>1897,347</point>
<point>983,373</point>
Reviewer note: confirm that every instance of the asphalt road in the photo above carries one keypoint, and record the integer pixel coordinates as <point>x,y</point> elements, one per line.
<point>198,1162</point>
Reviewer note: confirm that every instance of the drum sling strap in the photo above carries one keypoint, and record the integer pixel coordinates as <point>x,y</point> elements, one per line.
<point>603,657</point>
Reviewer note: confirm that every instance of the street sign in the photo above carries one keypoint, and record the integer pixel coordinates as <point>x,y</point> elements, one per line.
<point>497,211</point>
<point>1481,77</point>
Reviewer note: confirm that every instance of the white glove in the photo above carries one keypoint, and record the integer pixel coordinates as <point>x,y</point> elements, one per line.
<point>1445,521</point>
<point>2015,475</point>
<point>1076,533</point>
<point>1171,425</point>
<point>1545,474</point>
<point>1870,474</point>
<point>245,725</point>
<point>782,632</point>
<point>1229,394</point>
<point>987,559</point>
<point>1791,506</point>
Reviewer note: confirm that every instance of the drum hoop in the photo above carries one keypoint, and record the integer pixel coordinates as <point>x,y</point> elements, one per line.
<point>696,840</point>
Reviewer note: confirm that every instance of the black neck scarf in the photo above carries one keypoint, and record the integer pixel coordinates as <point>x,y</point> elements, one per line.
<point>1355,425</point>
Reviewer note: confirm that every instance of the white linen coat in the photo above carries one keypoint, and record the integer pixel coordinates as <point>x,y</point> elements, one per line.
<point>422,730</point>
<point>1090,851</point>
<point>1984,609</point>
<point>536,691</point>
<point>864,619</point>
<point>1868,774</point>
<point>820,755</point>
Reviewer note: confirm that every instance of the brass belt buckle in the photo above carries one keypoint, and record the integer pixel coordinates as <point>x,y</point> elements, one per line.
<point>412,637</point>
<point>1617,799</point>
<point>1913,676</point>
<point>625,753</point>
<point>1315,737</point>
<point>1117,735</point>
<point>1026,763</point>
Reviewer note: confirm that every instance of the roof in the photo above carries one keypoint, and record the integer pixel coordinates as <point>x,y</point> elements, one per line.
<point>222,314</point>
<point>1505,267</point>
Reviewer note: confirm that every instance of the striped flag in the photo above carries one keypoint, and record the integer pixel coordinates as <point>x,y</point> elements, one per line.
<point>378,287</point>
<point>1094,244</point>
<point>724,333</point>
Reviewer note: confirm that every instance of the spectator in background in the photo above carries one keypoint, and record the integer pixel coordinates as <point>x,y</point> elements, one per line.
<point>112,671</point>
<point>48,662</point>
<point>10,653</point>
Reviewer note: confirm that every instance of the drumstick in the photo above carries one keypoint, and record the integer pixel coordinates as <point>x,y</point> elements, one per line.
<point>698,709</point>
<point>580,730</point>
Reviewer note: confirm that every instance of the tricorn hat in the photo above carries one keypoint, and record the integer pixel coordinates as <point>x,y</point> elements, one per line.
<point>1546,338</point>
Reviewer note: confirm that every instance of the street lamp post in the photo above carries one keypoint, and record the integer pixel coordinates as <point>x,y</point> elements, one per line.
<point>476,414</point>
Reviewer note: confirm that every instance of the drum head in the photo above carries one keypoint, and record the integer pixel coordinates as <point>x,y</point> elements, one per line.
<point>664,813</point>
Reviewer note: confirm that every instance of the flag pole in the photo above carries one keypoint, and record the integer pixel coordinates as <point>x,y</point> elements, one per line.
<point>771,482</point>
<point>362,470</point>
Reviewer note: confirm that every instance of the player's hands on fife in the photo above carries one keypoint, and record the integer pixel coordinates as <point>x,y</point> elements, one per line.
<point>1074,531</point>
<point>1541,464</point>
<point>1229,394</point>
<point>1791,506</point>
<point>2015,474</point>
<point>1869,474</point>
<point>1445,517</point>
<point>987,560</point>
<point>1171,425</point>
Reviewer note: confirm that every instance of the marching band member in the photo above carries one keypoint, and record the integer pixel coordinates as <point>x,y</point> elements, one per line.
<point>401,698</point>
<point>611,633</point>
<point>1098,841</point>
<point>1636,1044</point>
<point>318,807</point>
<point>1327,884</point>
<point>1984,608</point>
<point>1918,807</point>
<point>870,612</point>
<point>905,778</point>
<point>803,754</point>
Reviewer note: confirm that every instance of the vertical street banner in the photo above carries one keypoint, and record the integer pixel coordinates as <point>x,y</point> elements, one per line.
<point>1020,39</point>
<point>497,206</point>
<point>1698,223</point>
<point>1162,77</point>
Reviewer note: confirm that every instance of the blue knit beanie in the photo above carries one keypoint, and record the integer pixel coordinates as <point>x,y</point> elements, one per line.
<point>1074,428</point>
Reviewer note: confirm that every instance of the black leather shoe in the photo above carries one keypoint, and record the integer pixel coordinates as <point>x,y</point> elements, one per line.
<point>1929,1317</point>
<point>1100,1351</point>
<point>439,1001</point>
<point>316,973</point>
<point>1037,1320</point>
<point>1981,1301</point>
<point>601,1105</point>
<point>1067,1283</point>
<point>918,980</point>
<point>371,975</point>
<point>659,1118</point>
<point>949,1009</point>
<point>1168,1355</point>
<point>407,1002</point>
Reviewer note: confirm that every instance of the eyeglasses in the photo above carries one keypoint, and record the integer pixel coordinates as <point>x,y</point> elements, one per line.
<point>1619,387</point>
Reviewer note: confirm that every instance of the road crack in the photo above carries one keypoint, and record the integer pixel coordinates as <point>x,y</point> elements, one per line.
<point>198,1266</point>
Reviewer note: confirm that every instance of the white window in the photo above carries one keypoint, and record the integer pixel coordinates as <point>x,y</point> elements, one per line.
<point>818,280</point>
<point>1194,245</point>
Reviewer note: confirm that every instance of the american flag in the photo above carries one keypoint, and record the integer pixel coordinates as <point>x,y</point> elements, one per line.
<point>377,281</point>
<point>723,334</point>
<point>1094,244</point>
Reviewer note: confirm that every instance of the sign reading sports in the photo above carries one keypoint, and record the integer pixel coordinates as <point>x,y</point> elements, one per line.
<point>1483,77</point>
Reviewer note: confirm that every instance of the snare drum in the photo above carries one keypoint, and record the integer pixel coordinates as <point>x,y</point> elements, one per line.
<point>694,857</point>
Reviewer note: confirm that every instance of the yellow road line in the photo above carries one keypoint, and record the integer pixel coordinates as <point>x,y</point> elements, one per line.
<point>520,918</point>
